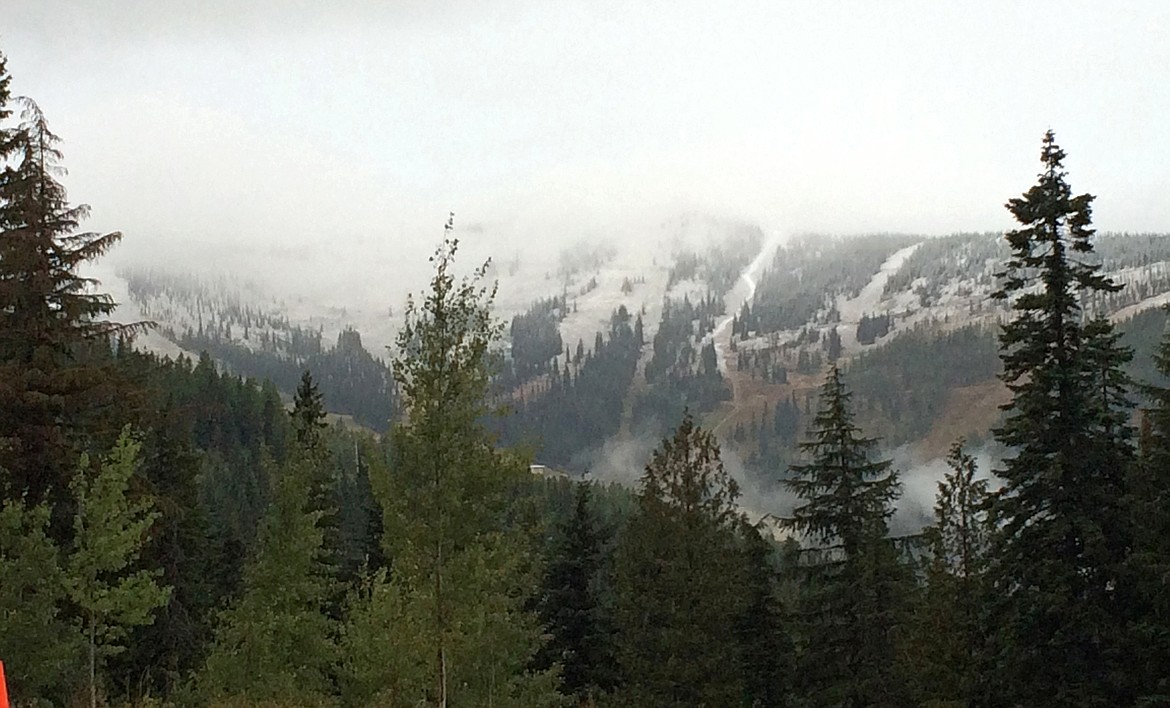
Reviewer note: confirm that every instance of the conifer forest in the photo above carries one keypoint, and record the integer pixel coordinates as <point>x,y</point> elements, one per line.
<point>261,518</point>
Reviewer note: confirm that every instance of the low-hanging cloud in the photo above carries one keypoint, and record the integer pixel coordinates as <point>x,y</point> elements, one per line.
<point>303,122</point>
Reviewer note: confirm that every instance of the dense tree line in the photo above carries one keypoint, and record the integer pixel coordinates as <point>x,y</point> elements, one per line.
<point>210,304</point>
<point>807,275</point>
<point>972,257</point>
<point>577,406</point>
<point>977,257</point>
<point>536,338</point>
<point>266,346</point>
<point>722,264</point>
<point>352,380</point>
<point>870,329</point>
<point>683,371</point>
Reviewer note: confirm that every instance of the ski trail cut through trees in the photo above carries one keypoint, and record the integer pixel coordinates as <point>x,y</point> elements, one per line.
<point>868,300</point>
<point>743,291</point>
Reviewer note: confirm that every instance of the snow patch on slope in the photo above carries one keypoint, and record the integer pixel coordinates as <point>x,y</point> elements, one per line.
<point>869,300</point>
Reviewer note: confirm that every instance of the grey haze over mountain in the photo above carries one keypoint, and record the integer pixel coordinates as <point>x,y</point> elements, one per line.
<point>306,124</point>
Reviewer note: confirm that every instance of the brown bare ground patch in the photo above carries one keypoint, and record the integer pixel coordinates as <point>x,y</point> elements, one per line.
<point>752,396</point>
<point>970,410</point>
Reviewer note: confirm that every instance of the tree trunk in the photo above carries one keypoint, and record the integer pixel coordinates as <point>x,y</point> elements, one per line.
<point>440,625</point>
<point>92,661</point>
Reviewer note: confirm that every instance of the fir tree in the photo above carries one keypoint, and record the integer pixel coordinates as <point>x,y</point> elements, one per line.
<point>949,632</point>
<point>765,645</point>
<point>308,413</point>
<point>579,628</point>
<point>833,344</point>
<point>1064,533</point>
<point>855,589</point>
<point>364,514</point>
<point>48,316</point>
<point>1150,562</point>
<point>678,579</point>
<point>308,423</point>
<point>275,643</point>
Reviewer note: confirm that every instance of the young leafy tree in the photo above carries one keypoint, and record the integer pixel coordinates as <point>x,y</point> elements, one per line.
<point>275,643</point>
<point>43,651</point>
<point>388,640</point>
<point>581,635</point>
<point>678,580</point>
<point>851,609</point>
<point>48,315</point>
<point>949,635</point>
<point>449,516</point>
<point>110,528</point>
<point>1058,581</point>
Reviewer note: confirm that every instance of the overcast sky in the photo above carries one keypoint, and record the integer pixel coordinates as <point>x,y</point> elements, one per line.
<point>309,121</point>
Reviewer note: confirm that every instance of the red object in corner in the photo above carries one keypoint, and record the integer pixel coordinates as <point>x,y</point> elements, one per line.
<point>3,688</point>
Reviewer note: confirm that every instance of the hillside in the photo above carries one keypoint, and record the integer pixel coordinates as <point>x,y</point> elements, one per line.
<point>724,318</point>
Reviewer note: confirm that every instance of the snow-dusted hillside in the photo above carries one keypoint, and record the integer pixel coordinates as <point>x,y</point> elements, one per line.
<point>944,282</point>
<point>251,297</point>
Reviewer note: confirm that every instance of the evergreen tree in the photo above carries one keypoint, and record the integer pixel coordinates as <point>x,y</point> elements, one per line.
<point>766,647</point>
<point>163,653</point>
<point>362,514</point>
<point>678,580</point>
<point>833,344</point>
<point>308,413</point>
<point>1060,593</point>
<point>1150,563</point>
<point>571,609</point>
<point>308,423</point>
<point>51,395</point>
<point>388,642</point>
<point>949,634</point>
<point>855,588</point>
<point>110,529</point>
<point>275,643</point>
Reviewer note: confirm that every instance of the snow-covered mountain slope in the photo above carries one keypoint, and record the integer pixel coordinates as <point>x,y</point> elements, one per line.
<point>254,297</point>
<point>945,282</point>
<point>788,302</point>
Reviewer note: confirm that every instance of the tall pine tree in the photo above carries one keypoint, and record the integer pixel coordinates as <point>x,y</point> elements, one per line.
<point>580,630</point>
<point>765,644</point>
<point>1061,595</point>
<point>308,413</point>
<point>851,608</point>
<point>52,399</point>
<point>325,484</point>
<point>678,580</point>
<point>275,643</point>
<point>948,638</point>
<point>1150,563</point>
